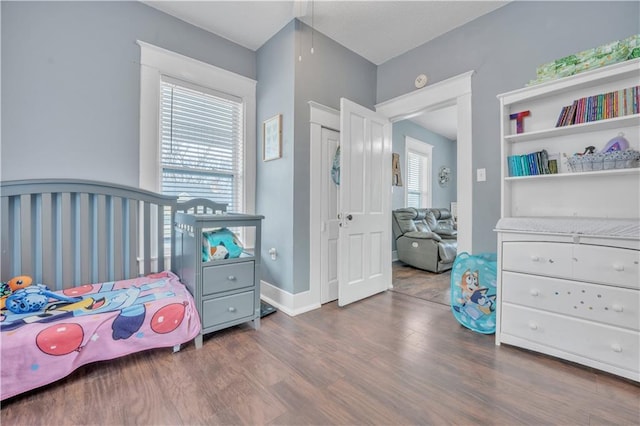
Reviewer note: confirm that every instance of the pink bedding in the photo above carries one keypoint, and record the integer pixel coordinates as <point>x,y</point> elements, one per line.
<point>109,320</point>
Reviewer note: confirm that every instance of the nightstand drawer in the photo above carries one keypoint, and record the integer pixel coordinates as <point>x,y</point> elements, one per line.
<point>551,259</point>
<point>608,265</point>
<point>595,302</point>
<point>228,308</point>
<point>216,279</point>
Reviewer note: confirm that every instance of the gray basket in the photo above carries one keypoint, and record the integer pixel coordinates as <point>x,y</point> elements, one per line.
<point>604,161</point>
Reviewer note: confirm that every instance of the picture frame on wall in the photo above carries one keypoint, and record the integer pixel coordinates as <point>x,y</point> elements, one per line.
<point>272,138</point>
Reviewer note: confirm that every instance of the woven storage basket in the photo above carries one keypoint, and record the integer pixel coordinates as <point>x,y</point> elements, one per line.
<point>604,161</point>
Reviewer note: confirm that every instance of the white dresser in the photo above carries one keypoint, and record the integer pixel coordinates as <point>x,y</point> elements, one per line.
<point>573,297</point>
<point>569,242</point>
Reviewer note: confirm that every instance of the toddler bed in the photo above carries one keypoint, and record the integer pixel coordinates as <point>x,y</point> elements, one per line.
<point>96,247</point>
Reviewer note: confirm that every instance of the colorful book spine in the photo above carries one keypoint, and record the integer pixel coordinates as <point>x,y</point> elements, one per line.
<point>601,107</point>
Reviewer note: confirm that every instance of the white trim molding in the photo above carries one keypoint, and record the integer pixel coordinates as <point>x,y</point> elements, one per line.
<point>320,116</point>
<point>290,304</point>
<point>156,62</point>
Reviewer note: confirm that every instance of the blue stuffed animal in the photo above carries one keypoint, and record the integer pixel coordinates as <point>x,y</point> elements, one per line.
<point>33,299</point>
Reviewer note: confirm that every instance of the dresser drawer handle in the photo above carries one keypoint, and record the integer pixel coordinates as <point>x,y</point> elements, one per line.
<point>617,308</point>
<point>618,268</point>
<point>534,292</point>
<point>616,348</point>
<point>232,309</point>
<point>231,278</point>
<point>533,326</point>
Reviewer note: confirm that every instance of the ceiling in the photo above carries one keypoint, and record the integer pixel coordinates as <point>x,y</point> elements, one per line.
<point>375,29</point>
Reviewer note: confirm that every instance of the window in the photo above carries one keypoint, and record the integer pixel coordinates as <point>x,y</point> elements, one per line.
<point>201,144</point>
<point>194,146</point>
<point>418,167</point>
<point>185,147</point>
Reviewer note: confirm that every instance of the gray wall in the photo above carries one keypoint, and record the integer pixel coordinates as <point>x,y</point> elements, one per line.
<point>71,84</point>
<point>330,73</point>
<point>504,48</point>
<point>274,190</point>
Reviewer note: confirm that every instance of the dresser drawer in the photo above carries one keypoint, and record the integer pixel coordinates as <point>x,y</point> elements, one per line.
<point>609,265</point>
<point>216,279</point>
<point>228,308</point>
<point>551,259</point>
<point>610,305</point>
<point>598,342</point>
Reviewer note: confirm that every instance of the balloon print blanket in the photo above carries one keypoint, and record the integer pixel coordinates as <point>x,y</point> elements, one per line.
<point>94,322</point>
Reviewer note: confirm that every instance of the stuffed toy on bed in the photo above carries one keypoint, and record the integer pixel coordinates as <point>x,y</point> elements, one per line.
<point>14,284</point>
<point>21,296</point>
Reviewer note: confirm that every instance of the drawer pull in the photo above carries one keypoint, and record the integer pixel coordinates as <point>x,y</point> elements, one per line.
<point>533,326</point>
<point>535,259</point>
<point>617,308</point>
<point>616,348</point>
<point>231,278</point>
<point>534,292</point>
<point>618,268</point>
<point>232,309</point>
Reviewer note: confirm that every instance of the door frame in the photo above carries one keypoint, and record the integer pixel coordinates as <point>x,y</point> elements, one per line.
<point>320,116</point>
<point>453,91</point>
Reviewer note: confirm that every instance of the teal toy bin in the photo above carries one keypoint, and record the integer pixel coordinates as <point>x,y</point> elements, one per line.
<point>473,291</point>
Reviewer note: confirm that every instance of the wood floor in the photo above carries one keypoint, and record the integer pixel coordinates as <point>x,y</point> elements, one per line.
<point>391,359</point>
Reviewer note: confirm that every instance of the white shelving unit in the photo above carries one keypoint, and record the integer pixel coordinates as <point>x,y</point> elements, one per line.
<point>573,294</point>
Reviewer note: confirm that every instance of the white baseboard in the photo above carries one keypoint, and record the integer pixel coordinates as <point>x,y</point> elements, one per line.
<point>394,255</point>
<point>290,304</point>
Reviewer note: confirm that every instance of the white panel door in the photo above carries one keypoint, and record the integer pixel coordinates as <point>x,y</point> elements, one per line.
<point>329,217</point>
<point>364,264</point>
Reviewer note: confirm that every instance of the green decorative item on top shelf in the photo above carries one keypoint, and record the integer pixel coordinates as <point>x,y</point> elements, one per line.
<point>607,54</point>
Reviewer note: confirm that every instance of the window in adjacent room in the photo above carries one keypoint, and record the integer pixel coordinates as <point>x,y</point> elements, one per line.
<point>418,166</point>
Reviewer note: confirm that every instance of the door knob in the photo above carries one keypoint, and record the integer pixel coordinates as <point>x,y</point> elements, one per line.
<point>349,217</point>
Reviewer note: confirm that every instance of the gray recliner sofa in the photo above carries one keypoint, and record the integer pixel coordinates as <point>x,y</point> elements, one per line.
<point>425,238</point>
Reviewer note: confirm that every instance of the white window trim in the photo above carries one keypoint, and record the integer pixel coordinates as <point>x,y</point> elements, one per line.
<point>422,148</point>
<point>156,62</point>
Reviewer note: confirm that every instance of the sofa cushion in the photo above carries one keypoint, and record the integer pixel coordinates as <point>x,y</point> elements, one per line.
<point>430,219</point>
<point>445,229</point>
<point>421,226</point>
<point>404,219</point>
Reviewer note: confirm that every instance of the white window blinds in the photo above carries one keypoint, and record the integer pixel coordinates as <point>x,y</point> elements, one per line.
<point>202,144</point>
<point>414,179</point>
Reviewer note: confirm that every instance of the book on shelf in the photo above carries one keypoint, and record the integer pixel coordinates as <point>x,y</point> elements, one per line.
<point>533,164</point>
<point>601,107</point>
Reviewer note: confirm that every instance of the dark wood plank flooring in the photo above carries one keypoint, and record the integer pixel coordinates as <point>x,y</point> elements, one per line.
<point>390,359</point>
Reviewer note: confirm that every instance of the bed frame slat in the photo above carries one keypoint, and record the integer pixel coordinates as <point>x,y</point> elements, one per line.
<point>56,235</point>
<point>146,236</point>
<point>15,233</point>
